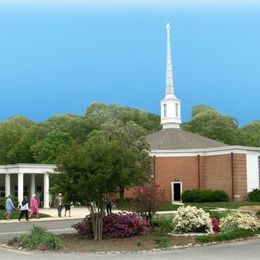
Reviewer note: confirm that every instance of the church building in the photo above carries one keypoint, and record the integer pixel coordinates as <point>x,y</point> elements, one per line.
<point>181,160</point>
<point>184,161</point>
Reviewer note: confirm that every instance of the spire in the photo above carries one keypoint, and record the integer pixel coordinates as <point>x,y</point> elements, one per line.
<point>170,105</point>
<point>169,70</point>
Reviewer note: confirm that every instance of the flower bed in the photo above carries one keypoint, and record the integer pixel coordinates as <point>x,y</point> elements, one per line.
<point>238,221</point>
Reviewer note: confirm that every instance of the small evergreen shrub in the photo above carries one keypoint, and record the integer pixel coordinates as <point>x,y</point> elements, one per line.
<point>2,203</point>
<point>239,221</point>
<point>191,219</point>
<point>40,238</point>
<point>162,242</point>
<point>254,195</point>
<point>162,224</point>
<point>196,195</point>
<point>115,226</point>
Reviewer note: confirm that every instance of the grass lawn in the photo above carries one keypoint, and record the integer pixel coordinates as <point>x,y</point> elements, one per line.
<point>16,214</point>
<point>211,205</point>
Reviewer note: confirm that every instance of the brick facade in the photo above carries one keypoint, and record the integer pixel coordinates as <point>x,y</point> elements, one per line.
<point>216,172</point>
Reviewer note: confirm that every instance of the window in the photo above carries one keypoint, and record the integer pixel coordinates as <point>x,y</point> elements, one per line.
<point>2,191</point>
<point>164,110</point>
<point>176,109</point>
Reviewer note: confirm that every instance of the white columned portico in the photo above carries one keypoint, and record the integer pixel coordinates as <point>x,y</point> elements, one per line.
<point>20,187</point>
<point>32,190</point>
<point>7,184</point>
<point>46,191</point>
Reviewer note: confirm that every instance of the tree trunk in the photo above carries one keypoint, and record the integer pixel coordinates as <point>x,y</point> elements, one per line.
<point>97,220</point>
<point>121,194</point>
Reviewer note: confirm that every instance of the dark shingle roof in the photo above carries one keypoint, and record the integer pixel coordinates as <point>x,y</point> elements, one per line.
<point>171,139</point>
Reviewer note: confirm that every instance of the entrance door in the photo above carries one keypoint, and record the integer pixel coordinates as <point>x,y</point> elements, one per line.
<point>176,191</point>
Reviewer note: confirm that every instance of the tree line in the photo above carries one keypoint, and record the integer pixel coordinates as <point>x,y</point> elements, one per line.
<point>25,141</point>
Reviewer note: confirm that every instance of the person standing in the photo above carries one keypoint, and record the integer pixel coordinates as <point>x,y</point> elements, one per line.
<point>24,209</point>
<point>9,207</point>
<point>67,208</point>
<point>34,207</point>
<point>108,204</point>
<point>59,202</point>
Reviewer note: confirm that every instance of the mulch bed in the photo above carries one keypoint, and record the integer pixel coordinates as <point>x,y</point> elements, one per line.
<point>75,243</point>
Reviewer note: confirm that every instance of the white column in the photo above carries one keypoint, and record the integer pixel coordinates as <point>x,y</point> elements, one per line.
<point>46,191</point>
<point>20,187</point>
<point>32,188</point>
<point>7,185</point>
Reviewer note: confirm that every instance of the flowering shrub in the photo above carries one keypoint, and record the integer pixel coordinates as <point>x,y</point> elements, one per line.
<point>115,226</point>
<point>215,224</point>
<point>239,221</point>
<point>191,219</point>
<point>124,225</point>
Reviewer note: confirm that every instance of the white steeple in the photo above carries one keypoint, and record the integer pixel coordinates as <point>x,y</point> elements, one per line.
<point>170,105</point>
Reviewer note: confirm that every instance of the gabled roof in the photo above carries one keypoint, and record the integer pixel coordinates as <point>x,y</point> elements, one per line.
<point>171,139</point>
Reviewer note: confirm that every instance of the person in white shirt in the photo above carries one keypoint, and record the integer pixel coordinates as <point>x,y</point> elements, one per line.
<point>24,207</point>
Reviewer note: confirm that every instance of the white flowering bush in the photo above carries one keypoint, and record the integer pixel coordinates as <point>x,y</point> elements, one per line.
<point>239,221</point>
<point>191,219</point>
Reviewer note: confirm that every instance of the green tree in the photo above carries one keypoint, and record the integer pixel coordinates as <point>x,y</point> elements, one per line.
<point>76,126</point>
<point>132,138</point>
<point>250,134</point>
<point>11,133</point>
<point>48,149</point>
<point>209,123</point>
<point>92,170</point>
<point>101,113</point>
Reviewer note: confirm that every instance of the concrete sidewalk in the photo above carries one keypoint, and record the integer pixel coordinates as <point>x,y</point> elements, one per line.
<point>76,213</point>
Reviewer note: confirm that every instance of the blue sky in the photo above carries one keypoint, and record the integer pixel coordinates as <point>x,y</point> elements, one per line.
<point>60,56</point>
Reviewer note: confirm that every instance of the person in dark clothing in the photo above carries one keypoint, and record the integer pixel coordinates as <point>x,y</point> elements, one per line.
<point>109,207</point>
<point>67,208</point>
<point>108,204</point>
<point>24,206</point>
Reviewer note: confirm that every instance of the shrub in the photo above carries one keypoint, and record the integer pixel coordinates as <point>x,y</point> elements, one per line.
<point>2,203</point>
<point>39,238</point>
<point>148,199</point>
<point>215,224</point>
<point>162,224</point>
<point>235,234</point>
<point>115,226</point>
<point>219,214</point>
<point>254,195</point>
<point>239,221</point>
<point>191,219</point>
<point>204,196</point>
<point>162,242</point>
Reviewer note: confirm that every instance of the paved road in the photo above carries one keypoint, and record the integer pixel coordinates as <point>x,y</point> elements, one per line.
<point>10,230</point>
<point>244,250</point>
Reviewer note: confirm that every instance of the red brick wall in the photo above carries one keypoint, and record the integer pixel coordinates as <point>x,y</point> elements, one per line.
<point>240,177</point>
<point>170,169</point>
<point>217,173</point>
<point>204,172</point>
